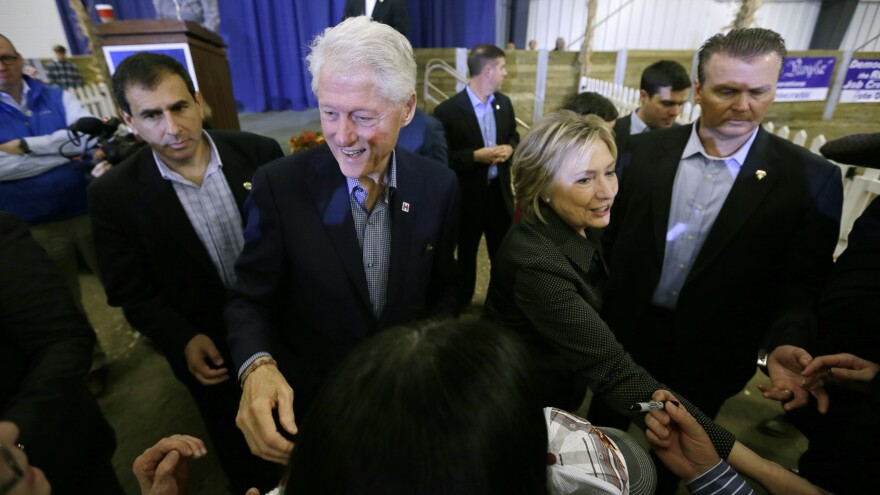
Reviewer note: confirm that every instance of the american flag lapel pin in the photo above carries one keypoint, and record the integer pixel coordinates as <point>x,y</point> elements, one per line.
<point>405,207</point>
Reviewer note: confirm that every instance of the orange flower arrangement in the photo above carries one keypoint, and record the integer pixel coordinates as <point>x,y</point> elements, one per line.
<point>306,140</point>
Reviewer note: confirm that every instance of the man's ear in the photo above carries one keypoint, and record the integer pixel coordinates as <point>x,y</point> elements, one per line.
<point>128,121</point>
<point>410,110</point>
<point>697,91</point>
<point>643,97</point>
<point>200,100</point>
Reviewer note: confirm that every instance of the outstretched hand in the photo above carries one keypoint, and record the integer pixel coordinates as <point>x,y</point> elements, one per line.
<point>162,469</point>
<point>265,390</point>
<point>843,369</point>
<point>785,365</point>
<point>679,441</point>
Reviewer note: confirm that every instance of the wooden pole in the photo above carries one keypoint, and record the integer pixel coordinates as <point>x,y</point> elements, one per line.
<point>587,45</point>
<point>745,18</point>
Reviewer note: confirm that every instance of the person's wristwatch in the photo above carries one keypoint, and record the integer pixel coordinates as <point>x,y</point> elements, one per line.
<point>762,360</point>
<point>23,146</point>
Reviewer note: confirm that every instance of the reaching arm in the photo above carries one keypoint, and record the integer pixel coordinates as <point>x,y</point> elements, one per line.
<point>558,311</point>
<point>251,320</point>
<point>685,449</point>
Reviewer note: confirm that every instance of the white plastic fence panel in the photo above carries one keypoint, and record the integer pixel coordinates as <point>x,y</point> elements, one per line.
<point>783,132</point>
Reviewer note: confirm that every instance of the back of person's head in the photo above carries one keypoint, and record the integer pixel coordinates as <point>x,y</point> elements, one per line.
<point>444,407</point>
<point>590,103</point>
<point>744,44</point>
<point>663,74</point>
<point>146,70</point>
<point>482,55</point>
<point>59,49</point>
<point>552,141</point>
<point>360,44</point>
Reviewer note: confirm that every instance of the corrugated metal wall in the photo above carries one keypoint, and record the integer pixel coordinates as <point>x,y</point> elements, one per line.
<point>666,24</point>
<point>864,27</point>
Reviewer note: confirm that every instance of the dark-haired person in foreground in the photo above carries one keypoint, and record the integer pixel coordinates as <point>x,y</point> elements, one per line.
<point>464,418</point>
<point>45,353</point>
<point>663,91</point>
<point>168,228</point>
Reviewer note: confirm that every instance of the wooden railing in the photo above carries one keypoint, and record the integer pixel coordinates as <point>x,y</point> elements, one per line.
<point>97,99</point>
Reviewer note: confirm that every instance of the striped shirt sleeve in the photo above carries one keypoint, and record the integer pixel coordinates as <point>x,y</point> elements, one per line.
<point>720,480</point>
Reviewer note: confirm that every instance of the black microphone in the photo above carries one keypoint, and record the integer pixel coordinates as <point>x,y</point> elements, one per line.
<point>96,127</point>
<point>862,150</point>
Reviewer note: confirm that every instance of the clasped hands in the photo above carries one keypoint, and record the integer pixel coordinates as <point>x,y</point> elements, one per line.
<point>493,154</point>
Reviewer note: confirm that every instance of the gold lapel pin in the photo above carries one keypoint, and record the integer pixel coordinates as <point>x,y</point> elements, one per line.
<point>760,174</point>
<point>497,107</point>
<point>247,186</point>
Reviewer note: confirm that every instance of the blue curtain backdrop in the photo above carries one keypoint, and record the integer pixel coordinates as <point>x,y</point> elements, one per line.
<point>268,39</point>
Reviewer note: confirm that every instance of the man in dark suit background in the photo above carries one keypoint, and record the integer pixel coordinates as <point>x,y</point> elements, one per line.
<point>722,236</point>
<point>391,12</point>
<point>663,91</point>
<point>481,134</point>
<point>342,240</point>
<point>168,228</point>
<point>45,353</point>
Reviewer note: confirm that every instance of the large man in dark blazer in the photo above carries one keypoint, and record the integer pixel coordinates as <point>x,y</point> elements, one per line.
<point>45,353</point>
<point>168,228</point>
<point>481,134</point>
<point>722,236</point>
<point>342,240</point>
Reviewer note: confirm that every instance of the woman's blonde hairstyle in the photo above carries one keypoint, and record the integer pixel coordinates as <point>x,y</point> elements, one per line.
<point>555,139</point>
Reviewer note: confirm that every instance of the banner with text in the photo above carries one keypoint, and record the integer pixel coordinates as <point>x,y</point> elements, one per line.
<point>805,79</point>
<point>862,83</point>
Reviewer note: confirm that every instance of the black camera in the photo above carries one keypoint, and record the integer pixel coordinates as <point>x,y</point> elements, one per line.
<point>116,148</point>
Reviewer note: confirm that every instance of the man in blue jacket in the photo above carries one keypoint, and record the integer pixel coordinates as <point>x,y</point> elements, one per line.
<point>38,180</point>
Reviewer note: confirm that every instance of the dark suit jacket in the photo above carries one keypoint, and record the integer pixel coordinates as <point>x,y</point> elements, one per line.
<point>621,132</point>
<point>463,136</point>
<point>302,291</point>
<point>424,136</point>
<point>391,12</point>
<point>758,275</point>
<point>45,353</point>
<point>152,262</point>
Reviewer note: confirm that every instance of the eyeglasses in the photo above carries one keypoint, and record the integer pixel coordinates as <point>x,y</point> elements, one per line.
<point>10,471</point>
<point>9,59</point>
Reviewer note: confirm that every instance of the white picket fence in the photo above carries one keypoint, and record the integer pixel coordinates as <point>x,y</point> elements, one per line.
<point>858,190</point>
<point>97,99</point>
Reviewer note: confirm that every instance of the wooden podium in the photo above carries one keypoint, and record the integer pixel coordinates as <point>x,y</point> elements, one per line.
<point>206,48</point>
